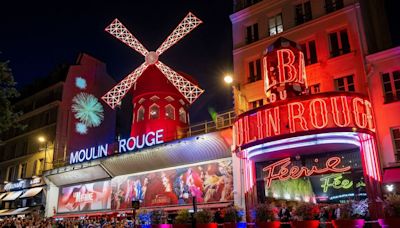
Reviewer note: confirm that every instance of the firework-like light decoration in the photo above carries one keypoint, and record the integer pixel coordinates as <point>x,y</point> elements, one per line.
<point>81,128</point>
<point>80,83</point>
<point>87,109</point>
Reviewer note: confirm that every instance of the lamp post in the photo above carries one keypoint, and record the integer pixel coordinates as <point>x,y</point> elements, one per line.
<point>42,140</point>
<point>239,99</point>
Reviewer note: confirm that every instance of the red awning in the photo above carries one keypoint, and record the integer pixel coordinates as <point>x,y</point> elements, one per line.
<point>391,175</point>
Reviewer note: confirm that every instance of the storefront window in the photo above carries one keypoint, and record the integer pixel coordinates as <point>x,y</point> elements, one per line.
<point>329,187</point>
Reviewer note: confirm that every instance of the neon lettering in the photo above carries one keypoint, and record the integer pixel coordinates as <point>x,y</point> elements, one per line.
<point>345,111</point>
<point>299,115</point>
<point>361,121</point>
<point>335,181</point>
<point>322,114</point>
<point>280,170</point>
<point>291,73</point>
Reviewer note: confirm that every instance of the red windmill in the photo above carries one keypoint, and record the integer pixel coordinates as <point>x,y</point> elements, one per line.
<point>161,96</point>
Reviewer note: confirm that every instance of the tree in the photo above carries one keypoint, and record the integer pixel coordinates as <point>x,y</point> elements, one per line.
<point>8,117</point>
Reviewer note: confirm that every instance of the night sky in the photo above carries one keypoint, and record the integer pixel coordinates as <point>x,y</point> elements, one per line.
<point>36,36</point>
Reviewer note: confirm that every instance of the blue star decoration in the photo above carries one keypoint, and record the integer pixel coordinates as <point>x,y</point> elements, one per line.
<point>81,128</point>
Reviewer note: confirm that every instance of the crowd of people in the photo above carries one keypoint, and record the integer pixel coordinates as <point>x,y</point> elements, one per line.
<point>65,223</point>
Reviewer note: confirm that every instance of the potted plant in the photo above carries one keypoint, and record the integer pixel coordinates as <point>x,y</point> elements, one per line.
<point>182,220</point>
<point>263,214</point>
<point>305,215</point>
<point>232,217</point>
<point>351,215</point>
<point>391,206</point>
<point>204,219</point>
<point>158,219</point>
<point>144,218</point>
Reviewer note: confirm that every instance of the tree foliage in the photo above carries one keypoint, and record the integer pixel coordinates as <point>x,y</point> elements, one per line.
<point>8,117</point>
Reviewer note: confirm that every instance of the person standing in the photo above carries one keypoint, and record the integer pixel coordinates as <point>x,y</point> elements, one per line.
<point>284,215</point>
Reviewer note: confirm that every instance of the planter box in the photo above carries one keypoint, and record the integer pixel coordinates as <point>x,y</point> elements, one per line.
<point>161,226</point>
<point>181,226</point>
<point>348,223</point>
<point>235,225</point>
<point>389,222</point>
<point>274,224</point>
<point>208,225</point>
<point>305,224</point>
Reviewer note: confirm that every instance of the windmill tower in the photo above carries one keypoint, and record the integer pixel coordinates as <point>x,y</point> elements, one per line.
<point>161,96</point>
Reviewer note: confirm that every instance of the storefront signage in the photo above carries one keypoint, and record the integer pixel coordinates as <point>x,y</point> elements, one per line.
<point>26,183</point>
<point>318,112</point>
<point>336,181</point>
<point>124,145</point>
<point>283,170</point>
<point>284,73</point>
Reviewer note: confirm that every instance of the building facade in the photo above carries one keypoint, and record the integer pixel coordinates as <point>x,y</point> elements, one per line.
<point>339,60</point>
<point>50,108</point>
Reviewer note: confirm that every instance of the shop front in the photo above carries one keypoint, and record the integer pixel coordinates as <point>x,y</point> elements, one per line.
<point>300,147</point>
<point>169,176</point>
<point>26,196</point>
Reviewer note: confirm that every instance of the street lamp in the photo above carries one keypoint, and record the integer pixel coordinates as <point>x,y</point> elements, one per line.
<point>42,140</point>
<point>228,79</point>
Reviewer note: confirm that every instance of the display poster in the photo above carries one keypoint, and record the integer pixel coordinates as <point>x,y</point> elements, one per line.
<point>85,197</point>
<point>212,182</point>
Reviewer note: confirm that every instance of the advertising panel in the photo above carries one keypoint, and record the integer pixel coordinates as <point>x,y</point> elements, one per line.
<point>212,182</point>
<point>85,197</point>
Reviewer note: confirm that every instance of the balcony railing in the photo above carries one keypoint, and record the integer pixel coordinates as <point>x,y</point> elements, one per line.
<point>222,121</point>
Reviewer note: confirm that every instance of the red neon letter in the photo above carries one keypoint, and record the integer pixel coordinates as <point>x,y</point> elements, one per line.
<point>302,69</point>
<point>361,121</point>
<point>368,110</point>
<point>292,72</point>
<point>292,116</point>
<point>272,121</point>
<point>323,113</point>
<point>345,111</point>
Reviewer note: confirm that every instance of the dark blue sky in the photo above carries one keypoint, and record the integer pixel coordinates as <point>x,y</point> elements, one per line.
<point>38,35</point>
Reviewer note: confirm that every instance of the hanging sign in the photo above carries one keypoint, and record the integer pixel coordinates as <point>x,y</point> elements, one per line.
<point>284,169</point>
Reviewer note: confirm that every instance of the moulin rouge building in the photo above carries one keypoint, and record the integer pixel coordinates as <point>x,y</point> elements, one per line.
<point>321,125</point>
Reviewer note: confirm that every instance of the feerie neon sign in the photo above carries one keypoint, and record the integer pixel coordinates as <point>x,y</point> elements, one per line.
<point>318,112</point>
<point>124,145</point>
<point>280,170</point>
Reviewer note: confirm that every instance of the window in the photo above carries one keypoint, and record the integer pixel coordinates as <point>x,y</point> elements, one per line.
<point>182,115</point>
<point>154,112</point>
<point>310,52</point>
<point>257,103</point>
<point>396,142</point>
<point>255,70</point>
<point>169,112</point>
<point>275,25</point>
<point>315,88</point>
<point>38,167</point>
<point>22,170</point>
<point>345,84</point>
<point>303,12</point>
<point>154,98</point>
<point>11,173</point>
<point>391,86</point>
<point>140,115</point>
<point>339,43</point>
<point>333,5</point>
<point>251,33</point>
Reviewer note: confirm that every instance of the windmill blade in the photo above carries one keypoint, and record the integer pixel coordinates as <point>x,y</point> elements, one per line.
<point>187,24</point>
<point>189,90</point>
<point>115,95</point>
<point>117,29</point>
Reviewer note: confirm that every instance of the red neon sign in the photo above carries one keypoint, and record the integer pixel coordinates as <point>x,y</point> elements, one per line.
<point>284,71</point>
<point>319,112</point>
<point>295,172</point>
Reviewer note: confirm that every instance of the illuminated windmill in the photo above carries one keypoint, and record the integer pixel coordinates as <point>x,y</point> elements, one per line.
<point>164,107</point>
<point>189,90</point>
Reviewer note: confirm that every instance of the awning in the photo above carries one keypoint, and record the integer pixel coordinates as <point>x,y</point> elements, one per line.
<point>31,192</point>
<point>18,211</point>
<point>3,211</point>
<point>391,175</point>
<point>2,195</point>
<point>12,196</point>
<point>72,174</point>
